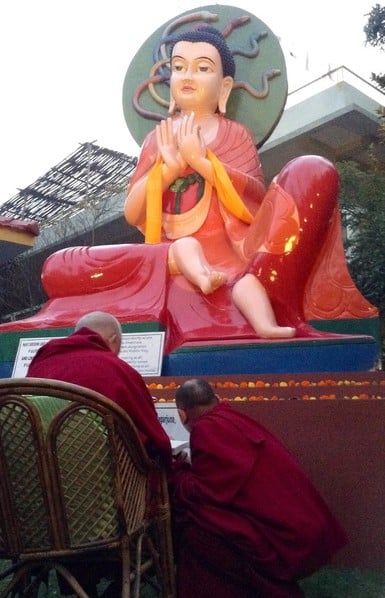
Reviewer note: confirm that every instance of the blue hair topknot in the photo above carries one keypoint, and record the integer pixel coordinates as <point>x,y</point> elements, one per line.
<point>211,36</point>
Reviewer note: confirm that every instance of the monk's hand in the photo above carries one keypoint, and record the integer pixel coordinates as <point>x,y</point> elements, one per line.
<point>190,142</point>
<point>168,149</point>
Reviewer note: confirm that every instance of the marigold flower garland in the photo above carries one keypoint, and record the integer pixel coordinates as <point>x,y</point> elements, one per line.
<point>306,389</point>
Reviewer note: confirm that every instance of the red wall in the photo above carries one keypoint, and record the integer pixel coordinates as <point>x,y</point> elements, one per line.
<point>338,436</point>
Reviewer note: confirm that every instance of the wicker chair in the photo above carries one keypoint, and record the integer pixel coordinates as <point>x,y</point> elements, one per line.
<point>77,487</point>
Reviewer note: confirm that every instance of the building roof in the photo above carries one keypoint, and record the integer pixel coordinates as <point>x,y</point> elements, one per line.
<point>90,171</point>
<point>15,237</point>
<point>335,116</point>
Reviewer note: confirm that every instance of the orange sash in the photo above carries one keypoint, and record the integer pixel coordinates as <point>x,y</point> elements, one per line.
<point>225,190</point>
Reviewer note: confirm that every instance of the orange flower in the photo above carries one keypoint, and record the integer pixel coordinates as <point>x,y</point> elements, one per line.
<point>260,384</point>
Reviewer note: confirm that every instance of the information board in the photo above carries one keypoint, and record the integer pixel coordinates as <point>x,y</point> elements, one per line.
<point>143,351</point>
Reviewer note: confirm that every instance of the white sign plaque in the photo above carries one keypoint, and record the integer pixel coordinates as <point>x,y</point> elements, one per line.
<point>169,418</point>
<point>25,352</point>
<point>142,350</point>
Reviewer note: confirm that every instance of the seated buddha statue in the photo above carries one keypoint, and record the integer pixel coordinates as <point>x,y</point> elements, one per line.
<point>223,257</point>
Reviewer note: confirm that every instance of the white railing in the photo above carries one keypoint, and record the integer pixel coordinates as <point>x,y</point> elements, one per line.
<point>330,79</point>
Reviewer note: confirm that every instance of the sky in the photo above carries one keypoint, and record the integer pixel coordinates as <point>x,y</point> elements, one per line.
<point>63,64</point>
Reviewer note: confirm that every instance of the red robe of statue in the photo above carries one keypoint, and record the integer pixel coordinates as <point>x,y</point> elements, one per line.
<point>248,520</point>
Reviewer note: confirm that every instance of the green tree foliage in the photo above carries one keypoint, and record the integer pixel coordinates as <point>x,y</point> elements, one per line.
<point>362,203</point>
<point>362,196</point>
<point>375,36</point>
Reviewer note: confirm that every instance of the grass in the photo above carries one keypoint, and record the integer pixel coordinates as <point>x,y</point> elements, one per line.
<point>328,582</point>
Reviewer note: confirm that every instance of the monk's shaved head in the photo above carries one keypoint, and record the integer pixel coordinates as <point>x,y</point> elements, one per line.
<point>104,324</point>
<point>195,393</point>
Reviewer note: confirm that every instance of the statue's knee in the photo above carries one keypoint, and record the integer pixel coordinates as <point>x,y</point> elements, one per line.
<point>308,177</point>
<point>308,171</point>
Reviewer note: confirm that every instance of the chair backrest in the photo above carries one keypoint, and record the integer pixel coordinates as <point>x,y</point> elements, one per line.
<point>74,471</point>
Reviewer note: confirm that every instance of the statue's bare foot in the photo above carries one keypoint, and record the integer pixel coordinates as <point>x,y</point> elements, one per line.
<point>277,332</point>
<point>213,281</point>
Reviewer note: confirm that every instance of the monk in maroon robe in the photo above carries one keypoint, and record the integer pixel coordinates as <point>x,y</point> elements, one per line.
<point>89,357</point>
<point>248,521</point>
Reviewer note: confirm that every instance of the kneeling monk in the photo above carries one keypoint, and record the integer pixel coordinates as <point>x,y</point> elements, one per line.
<point>248,521</point>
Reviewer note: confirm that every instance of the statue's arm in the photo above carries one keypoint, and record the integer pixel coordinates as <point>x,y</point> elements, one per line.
<point>159,143</point>
<point>238,155</point>
<point>241,161</point>
<point>135,203</point>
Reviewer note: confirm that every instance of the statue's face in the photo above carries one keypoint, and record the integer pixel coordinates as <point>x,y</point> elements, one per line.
<point>196,76</point>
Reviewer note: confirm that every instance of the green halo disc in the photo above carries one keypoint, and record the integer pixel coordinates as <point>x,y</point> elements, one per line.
<point>263,71</point>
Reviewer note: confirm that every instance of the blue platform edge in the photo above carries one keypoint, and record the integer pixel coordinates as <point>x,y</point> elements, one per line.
<point>358,350</point>
<point>326,355</point>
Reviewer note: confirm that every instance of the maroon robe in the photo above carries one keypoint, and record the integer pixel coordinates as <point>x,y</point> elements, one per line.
<point>248,520</point>
<point>84,358</point>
